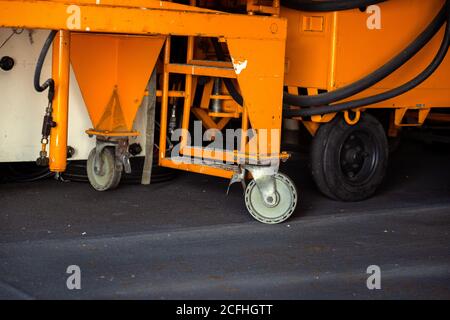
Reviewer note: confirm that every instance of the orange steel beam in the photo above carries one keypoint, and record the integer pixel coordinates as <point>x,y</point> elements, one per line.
<point>155,4</point>
<point>60,74</point>
<point>223,156</point>
<point>123,17</point>
<point>207,121</point>
<point>188,95</point>
<point>211,63</point>
<point>164,103</point>
<point>192,167</point>
<point>196,70</point>
<point>171,94</point>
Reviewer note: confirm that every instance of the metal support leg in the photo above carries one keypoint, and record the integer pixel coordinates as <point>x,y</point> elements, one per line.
<point>264,177</point>
<point>150,130</point>
<point>60,74</point>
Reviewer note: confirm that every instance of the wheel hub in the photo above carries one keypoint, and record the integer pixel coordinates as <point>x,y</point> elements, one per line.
<point>272,201</point>
<point>284,201</point>
<point>357,155</point>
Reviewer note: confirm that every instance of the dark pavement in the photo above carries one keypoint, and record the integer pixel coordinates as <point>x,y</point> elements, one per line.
<point>185,239</point>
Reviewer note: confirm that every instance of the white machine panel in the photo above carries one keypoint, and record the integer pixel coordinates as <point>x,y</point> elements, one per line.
<point>22,108</point>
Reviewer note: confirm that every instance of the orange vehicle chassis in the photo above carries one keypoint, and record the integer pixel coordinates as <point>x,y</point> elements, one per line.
<point>114,45</point>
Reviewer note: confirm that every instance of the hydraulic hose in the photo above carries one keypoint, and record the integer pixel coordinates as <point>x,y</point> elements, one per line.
<point>358,86</point>
<point>234,93</point>
<point>376,76</point>
<point>326,6</point>
<point>424,75</point>
<point>50,83</point>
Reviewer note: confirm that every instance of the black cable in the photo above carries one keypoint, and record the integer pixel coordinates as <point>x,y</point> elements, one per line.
<point>327,6</point>
<point>50,83</point>
<point>376,76</point>
<point>356,87</point>
<point>234,93</point>
<point>76,172</point>
<point>13,174</point>
<point>424,75</point>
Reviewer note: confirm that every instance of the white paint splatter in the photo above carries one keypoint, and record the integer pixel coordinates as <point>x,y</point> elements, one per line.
<point>239,66</point>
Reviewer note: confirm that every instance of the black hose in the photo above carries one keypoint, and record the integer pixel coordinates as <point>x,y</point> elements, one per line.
<point>50,83</point>
<point>356,87</point>
<point>326,6</point>
<point>376,76</point>
<point>424,75</point>
<point>234,93</point>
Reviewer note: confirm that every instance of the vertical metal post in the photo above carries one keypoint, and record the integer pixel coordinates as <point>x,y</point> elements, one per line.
<point>60,74</point>
<point>245,120</point>
<point>150,105</point>
<point>188,90</point>
<point>188,95</point>
<point>276,5</point>
<point>164,103</point>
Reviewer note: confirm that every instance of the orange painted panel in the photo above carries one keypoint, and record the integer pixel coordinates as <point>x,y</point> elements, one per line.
<point>113,66</point>
<point>308,49</point>
<point>348,50</point>
<point>260,73</point>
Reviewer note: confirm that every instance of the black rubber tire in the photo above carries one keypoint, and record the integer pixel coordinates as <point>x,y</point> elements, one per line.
<point>328,151</point>
<point>113,172</point>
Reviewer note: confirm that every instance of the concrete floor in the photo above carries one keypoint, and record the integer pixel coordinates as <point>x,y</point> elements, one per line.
<point>185,239</point>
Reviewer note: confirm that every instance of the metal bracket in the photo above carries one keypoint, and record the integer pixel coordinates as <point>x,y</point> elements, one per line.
<point>99,147</point>
<point>238,177</point>
<point>264,177</point>
<point>123,155</point>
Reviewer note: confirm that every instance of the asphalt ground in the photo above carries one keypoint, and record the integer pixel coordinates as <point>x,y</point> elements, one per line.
<point>186,239</point>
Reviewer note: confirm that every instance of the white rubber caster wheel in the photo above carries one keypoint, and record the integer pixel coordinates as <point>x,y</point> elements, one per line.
<point>282,209</point>
<point>108,176</point>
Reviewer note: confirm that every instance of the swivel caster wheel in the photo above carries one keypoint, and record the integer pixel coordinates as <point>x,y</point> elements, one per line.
<point>104,173</point>
<point>283,206</point>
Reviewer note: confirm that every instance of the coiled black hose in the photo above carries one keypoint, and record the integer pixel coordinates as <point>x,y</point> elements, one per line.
<point>424,75</point>
<point>234,93</point>
<point>49,83</point>
<point>325,99</point>
<point>326,6</point>
<point>376,76</point>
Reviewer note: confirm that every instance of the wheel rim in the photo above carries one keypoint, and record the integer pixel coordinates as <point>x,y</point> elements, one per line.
<point>104,176</point>
<point>108,176</point>
<point>358,157</point>
<point>287,195</point>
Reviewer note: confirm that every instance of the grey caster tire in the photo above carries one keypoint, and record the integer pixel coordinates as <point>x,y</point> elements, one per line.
<point>111,173</point>
<point>287,201</point>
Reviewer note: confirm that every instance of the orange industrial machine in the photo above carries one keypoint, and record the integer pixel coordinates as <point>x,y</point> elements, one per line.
<point>113,46</point>
<point>243,65</point>
<point>384,57</point>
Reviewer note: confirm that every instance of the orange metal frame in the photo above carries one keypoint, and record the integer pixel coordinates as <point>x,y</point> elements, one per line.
<point>90,30</point>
